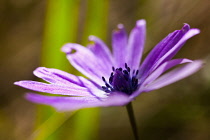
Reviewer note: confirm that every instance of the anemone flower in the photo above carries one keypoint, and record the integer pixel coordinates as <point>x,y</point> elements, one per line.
<point>113,78</point>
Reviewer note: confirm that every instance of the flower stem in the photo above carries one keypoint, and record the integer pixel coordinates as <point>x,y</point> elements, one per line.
<point>132,120</point>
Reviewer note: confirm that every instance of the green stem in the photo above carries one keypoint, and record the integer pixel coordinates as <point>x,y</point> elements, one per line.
<point>132,120</point>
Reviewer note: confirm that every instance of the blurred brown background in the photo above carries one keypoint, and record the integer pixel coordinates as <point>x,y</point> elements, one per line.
<point>177,112</point>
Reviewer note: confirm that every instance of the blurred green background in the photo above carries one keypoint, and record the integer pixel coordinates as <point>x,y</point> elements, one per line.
<point>31,35</point>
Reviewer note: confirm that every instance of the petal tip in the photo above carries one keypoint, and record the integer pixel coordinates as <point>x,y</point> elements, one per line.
<point>91,38</point>
<point>196,31</point>
<point>199,63</point>
<point>40,70</point>
<point>21,83</point>
<point>193,32</point>
<point>120,26</point>
<point>70,48</point>
<point>186,27</point>
<point>66,48</point>
<point>17,83</point>
<point>27,96</point>
<point>141,22</point>
<point>32,97</point>
<point>120,29</point>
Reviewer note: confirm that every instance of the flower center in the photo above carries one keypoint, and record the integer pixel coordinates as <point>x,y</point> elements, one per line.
<point>122,80</point>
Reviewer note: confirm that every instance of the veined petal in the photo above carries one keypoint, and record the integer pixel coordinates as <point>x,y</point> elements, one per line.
<point>74,103</point>
<point>56,76</point>
<point>59,77</point>
<point>99,48</point>
<point>166,49</point>
<point>163,68</point>
<point>93,88</point>
<point>119,43</point>
<point>172,52</point>
<point>154,55</point>
<point>55,89</point>
<point>174,75</point>
<point>86,62</point>
<point>136,44</point>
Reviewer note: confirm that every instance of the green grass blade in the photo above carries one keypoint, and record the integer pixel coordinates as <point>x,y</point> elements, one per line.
<point>87,120</point>
<point>60,28</point>
<point>47,129</point>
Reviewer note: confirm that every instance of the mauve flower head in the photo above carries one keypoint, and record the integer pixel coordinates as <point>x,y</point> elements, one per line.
<point>114,78</point>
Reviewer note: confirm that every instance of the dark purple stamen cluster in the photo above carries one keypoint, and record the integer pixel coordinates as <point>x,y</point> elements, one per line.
<point>121,80</point>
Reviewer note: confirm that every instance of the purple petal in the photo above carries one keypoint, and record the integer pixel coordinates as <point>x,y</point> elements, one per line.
<point>174,75</point>
<point>87,62</point>
<point>163,68</point>
<point>74,103</point>
<point>62,103</point>
<point>55,89</point>
<point>119,43</point>
<point>56,76</point>
<point>166,49</point>
<point>93,88</point>
<point>99,48</point>
<point>136,44</point>
<point>63,83</point>
<point>172,52</point>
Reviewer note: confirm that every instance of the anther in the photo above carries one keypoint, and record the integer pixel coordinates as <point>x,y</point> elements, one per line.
<point>104,87</point>
<point>137,72</point>
<point>126,66</point>
<point>103,79</point>
<point>134,72</point>
<point>107,85</point>
<point>122,80</point>
<point>110,79</point>
<point>125,72</point>
<point>126,77</point>
<point>113,69</point>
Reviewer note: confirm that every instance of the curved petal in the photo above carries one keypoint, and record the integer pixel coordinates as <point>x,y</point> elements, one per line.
<point>59,77</point>
<point>74,103</point>
<point>163,68</point>
<point>99,48</point>
<point>86,62</point>
<point>55,89</point>
<point>63,83</point>
<point>56,76</point>
<point>119,43</point>
<point>174,75</point>
<point>172,52</point>
<point>166,49</point>
<point>136,44</point>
